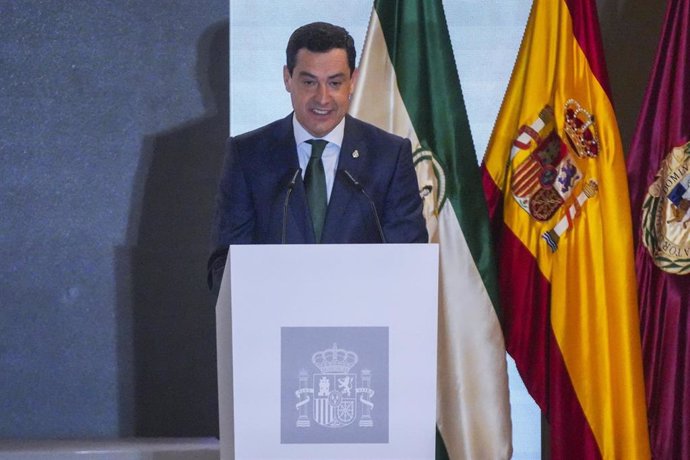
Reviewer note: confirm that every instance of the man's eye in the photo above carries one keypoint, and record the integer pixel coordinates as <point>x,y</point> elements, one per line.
<point>309,83</point>
<point>336,84</point>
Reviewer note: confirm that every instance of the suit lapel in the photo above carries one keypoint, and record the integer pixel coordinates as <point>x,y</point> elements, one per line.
<point>285,158</point>
<point>352,152</point>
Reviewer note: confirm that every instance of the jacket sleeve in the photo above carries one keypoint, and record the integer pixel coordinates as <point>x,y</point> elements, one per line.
<point>403,221</point>
<point>234,216</point>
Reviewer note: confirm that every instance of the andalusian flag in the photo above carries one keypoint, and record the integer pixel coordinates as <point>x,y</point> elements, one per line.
<point>659,175</point>
<point>557,192</point>
<point>409,85</point>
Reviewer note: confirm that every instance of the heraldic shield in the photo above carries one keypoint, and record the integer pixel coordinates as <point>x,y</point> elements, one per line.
<point>335,396</point>
<point>334,400</point>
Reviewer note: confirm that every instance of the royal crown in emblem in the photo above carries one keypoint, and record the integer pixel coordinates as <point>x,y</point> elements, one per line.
<point>334,360</point>
<point>580,130</point>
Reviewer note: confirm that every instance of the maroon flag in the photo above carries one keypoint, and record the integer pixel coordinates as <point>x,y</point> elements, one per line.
<point>659,177</point>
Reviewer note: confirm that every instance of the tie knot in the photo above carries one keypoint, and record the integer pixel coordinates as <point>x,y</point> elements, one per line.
<point>317,147</point>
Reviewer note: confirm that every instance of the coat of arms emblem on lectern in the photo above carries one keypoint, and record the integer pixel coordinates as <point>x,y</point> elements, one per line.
<point>331,396</point>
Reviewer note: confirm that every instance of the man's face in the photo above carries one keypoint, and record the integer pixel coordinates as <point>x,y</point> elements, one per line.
<point>320,87</point>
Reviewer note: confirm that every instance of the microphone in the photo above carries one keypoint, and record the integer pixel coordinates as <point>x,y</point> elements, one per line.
<point>360,187</point>
<point>290,186</point>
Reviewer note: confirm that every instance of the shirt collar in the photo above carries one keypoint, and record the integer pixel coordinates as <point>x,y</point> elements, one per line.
<point>334,137</point>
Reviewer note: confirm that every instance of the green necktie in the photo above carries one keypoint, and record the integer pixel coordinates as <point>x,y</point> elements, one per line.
<point>315,182</point>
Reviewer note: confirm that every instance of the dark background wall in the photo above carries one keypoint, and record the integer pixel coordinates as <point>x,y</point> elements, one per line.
<point>630,32</point>
<point>113,116</point>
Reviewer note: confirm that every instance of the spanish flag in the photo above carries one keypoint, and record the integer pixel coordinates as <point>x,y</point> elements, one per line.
<point>408,84</point>
<point>659,177</point>
<point>556,186</point>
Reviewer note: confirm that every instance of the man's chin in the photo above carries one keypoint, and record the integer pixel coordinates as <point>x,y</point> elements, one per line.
<point>321,129</point>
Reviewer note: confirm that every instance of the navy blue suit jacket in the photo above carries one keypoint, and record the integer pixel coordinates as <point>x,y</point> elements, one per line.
<point>260,165</point>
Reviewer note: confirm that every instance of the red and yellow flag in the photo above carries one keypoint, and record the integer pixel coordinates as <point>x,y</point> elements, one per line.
<point>555,182</point>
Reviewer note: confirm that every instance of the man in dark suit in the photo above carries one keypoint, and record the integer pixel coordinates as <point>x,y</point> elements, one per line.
<point>318,175</point>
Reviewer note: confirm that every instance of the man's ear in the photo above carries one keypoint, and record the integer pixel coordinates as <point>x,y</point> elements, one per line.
<point>286,78</point>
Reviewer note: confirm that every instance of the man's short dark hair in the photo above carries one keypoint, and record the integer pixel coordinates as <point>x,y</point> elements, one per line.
<point>320,37</point>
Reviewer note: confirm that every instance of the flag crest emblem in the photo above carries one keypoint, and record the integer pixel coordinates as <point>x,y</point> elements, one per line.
<point>547,171</point>
<point>666,213</point>
<point>432,186</point>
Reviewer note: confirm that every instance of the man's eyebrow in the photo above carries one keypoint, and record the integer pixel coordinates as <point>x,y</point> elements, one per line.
<point>304,73</point>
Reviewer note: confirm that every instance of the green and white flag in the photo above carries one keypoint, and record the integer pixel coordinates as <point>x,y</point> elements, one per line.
<point>408,84</point>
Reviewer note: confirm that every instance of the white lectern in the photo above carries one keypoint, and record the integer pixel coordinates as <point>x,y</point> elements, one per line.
<point>328,352</point>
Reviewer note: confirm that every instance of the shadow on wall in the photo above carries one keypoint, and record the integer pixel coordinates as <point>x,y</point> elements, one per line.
<point>167,340</point>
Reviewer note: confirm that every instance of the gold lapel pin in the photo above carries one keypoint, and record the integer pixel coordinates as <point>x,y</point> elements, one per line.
<point>355,154</point>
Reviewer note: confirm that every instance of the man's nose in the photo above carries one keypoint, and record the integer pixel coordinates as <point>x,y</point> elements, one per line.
<point>322,94</point>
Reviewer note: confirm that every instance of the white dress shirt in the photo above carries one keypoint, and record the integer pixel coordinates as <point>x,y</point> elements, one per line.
<point>330,153</point>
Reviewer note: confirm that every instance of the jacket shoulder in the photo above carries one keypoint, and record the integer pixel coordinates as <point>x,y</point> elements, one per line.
<point>274,131</point>
<point>369,132</point>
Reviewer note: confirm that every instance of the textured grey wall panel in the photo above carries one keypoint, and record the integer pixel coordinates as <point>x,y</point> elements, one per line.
<point>113,117</point>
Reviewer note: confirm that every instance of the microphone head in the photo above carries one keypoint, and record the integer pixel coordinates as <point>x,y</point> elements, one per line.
<point>293,181</point>
<point>354,181</point>
<point>360,187</point>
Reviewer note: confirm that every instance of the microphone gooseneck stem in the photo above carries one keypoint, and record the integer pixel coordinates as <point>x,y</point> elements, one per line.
<point>360,187</point>
<point>290,186</point>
